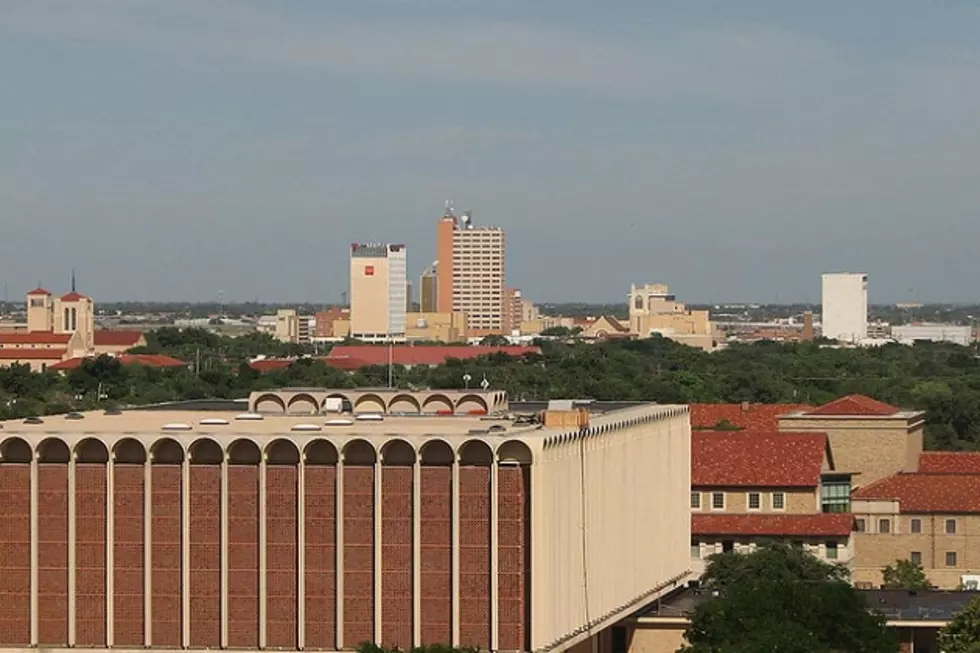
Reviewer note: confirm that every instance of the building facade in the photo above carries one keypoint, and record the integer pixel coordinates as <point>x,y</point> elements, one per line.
<point>472,273</point>
<point>654,310</point>
<point>844,307</point>
<point>378,287</point>
<point>322,530</point>
<point>909,334</point>
<point>429,290</point>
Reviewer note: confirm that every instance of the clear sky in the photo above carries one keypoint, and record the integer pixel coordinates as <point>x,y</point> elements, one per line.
<point>172,149</point>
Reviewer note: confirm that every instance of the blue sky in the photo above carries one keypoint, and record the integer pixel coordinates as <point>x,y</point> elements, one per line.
<point>172,149</point>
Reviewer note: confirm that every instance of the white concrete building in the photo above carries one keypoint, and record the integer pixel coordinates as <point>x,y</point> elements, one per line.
<point>845,306</point>
<point>378,292</point>
<point>907,334</point>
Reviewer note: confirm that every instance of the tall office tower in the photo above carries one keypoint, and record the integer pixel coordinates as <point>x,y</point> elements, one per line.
<point>429,290</point>
<point>378,287</point>
<point>845,306</point>
<point>472,272</point>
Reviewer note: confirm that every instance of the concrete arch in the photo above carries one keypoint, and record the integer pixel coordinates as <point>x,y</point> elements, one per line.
<point>321,452</point>
<point>359,452</point>
<point>302,404</point>
<point>369,403</point>
<point>281,452</point>
<point>404,403</point>
<point>347,406</point>
<point>436,453</point>
<point>244,452</point>
<point>206,452</point>
<point>438,403</point>
<point>270,403</point>
<point>15,450</point>
<point>129,451</point>
<point>475,453</point>
<point>469,404</point>
<point>166,451</point>
<point>397,453</point>
<point>91,452</point>
<point>515,452</point>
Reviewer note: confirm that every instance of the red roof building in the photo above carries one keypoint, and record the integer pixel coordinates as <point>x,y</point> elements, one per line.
<point>926,493</point>
<point>855,405</point>
<point>271,364</point>
<point>18,339</point>
<point>823,525</point>
<point>763,417</point>
<point>950,462</point>
<point>38,291</point>
<point>108,338</point>
<point>757,459</point>
<point>150,360</point>
<point>73,297</point>
<point>22,355</point>
<point>350,357</point>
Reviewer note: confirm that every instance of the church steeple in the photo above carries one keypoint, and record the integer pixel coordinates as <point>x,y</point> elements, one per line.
<point>73,280</point>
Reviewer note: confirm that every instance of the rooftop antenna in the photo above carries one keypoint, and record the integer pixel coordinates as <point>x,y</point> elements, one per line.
<point>467,220</point>
<point>449,213</point>
<point>73,279</point>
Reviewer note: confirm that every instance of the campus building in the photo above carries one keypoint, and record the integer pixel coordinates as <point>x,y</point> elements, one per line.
<point>317,519</point>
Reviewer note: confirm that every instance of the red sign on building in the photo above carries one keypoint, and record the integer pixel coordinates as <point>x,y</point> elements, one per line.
<point>368,270</point>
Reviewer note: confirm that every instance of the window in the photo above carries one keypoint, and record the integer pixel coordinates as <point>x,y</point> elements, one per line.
<point>696,500</point>
<point>835,495</point>
<point>951,527</point>
<point>717,500</point>
<point>755,501</point>
<point>915,526</point>
<point>831,550</point>
<point>695,549</point>
<point>915,557</point>
<point>884,526</point>
<point>859,525</point>
<point>778,500</point>
<point>951,558</point>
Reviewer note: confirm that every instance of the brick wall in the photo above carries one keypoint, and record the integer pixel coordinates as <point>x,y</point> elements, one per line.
<point>90,548</point>
<point>396,556</point>
<point>435,542</point>
<point>513,586</point>
<point>474,556</point>
<point>15,552</point>
<point>205,535</point>
<point>243,556</point>
<point>165,578</point>
<point>321,555</point>
<point>281,552</point>
<point>53,554</point>
<point>358,555</point>
<point>127,551</point>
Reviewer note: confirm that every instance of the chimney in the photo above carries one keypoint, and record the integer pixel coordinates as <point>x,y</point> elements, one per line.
<point>745,406</point>
<point>807,326</point>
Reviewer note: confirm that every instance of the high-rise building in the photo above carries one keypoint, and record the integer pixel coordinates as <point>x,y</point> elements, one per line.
<point>845,306</point>
<point>472,272</point>
<point>429,290</point>
<point>378,286</point>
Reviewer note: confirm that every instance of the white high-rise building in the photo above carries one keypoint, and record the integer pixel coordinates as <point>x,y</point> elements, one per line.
<point>845,306</point>
<point>378,292</point>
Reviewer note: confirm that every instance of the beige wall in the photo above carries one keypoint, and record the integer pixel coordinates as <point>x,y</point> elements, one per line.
<point>369,295</point>
<point>666,638</point>
<point>871,448</point>
<point>76,317</point>
<point>40,313</point>
<point>797,501</point>
<point>439,327</point>
<point>636,525</point>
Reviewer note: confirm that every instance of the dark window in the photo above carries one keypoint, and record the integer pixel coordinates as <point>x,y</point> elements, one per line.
<point>727,546</point>
<point>696,500</point>
<point>620,642</point>
<point>778,501</point>
<point>755,501</point>
<point>915,526</point>
<point>859,525</point>
<point>915,557</point>
<point>831,550</point>
<point>951,527</point>
<point>718,501</point>
<point>884,526</point>
<point>951,558</point>
<point>835,496</point>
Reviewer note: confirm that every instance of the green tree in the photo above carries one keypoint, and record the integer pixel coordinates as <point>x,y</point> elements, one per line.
<point>494,340</point>
<point>962,633</point>
<point>780,599</point>
<point>906,575</point>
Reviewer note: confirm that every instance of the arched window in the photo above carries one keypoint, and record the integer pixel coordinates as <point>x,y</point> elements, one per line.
<point>67,321</point>
<point>74,319</point>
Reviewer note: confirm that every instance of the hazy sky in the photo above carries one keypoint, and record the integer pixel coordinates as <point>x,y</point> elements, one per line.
<point>169,149</point>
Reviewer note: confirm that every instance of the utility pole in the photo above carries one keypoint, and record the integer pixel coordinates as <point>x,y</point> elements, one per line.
<point>391,362</point>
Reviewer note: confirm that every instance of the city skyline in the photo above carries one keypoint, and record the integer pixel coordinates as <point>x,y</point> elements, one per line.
<point>735,153</point>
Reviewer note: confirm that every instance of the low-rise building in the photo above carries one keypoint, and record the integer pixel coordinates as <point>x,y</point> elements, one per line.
<point>437,327</point>
<point>909,334</point>
<point>654,310</point>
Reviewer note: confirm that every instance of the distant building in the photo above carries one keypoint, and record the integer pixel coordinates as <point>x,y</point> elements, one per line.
<point>428,290</point>
<point>654,310</point>
<point>472,273</point>
<point>845,307</point>
<point>378,285</point>
<point>287,325</point>
<point>332,323</point>
<point>436,327</point>
<point>908,334</point>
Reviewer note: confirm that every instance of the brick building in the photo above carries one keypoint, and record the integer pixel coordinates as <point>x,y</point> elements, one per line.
<point>321,530</point>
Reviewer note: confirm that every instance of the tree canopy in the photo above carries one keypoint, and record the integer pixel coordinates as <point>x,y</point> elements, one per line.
<point>780,599</point>
<point>962,633</point>
<point>905,575</point>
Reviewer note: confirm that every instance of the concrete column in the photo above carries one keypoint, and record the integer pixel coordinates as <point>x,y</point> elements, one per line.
<point>185,548</point>
<point>35,602</point>
<point>494,557</point>
<point>224,550</point>
<point>455,550</point>
<point>71,549</point>
<point>301,553</point>
<point>263,554</point>
<point>378,467</point>
<point>339,511</point>
<point>417,552</point>
<point>148,552</point>
<point>110,510</point>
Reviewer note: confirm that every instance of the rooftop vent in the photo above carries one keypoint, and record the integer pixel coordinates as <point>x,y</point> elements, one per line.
<point>214,421</point>
<point>477,432</point>
<point>33,420</point>
<point>177,426</point>
<point>370,417</point>
<point>249,417</point>
<point>339,422</point>
<point>112,411</point>
<point>74,416</point>
<point>306,427</point>
<point>496,428</point>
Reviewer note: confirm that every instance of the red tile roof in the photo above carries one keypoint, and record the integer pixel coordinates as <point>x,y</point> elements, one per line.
<point>32,354</point>
<point>764,417</point>
<point>271,364</point>
<point>857,405</point>
<point>919,492</point>
<point>756,459</point>
<point>117,338</point>
<point>950,462</point>
<point>812,525</point>
<point>38,291</point>
<point>34,338</point>
<point>73,297</point>
<point>150,360</point>
<point>345,355</point>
